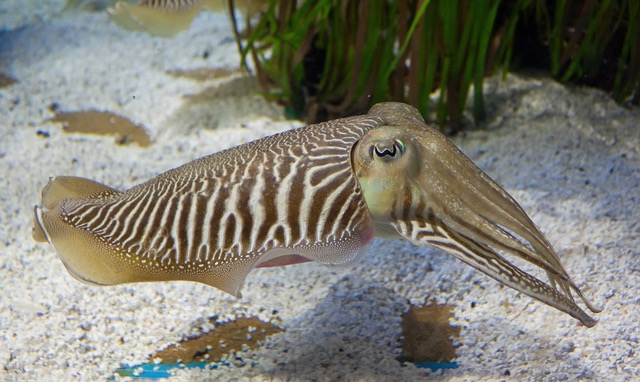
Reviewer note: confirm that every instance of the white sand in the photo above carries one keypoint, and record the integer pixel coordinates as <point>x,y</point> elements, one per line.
<point>571,157</point>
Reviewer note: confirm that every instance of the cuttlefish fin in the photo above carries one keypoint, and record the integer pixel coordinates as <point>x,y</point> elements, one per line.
<point>78,246</point>
<point>67,187</point>
<point>73,187</point>
<point>91,259</point>
<point>80,252</point>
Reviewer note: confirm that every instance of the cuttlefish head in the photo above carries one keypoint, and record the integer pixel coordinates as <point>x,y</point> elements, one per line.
<point>419,186</point>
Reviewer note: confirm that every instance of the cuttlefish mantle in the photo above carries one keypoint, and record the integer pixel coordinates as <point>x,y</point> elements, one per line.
<point>317,193</point>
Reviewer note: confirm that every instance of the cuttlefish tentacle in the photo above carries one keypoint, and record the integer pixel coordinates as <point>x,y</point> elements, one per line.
<point>419,186</point>
<point>317,193</point>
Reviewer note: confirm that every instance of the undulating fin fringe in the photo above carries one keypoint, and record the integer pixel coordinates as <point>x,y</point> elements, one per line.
<point>67,187</point>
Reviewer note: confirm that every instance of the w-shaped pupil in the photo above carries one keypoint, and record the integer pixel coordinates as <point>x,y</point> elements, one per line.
<point>386,151</point>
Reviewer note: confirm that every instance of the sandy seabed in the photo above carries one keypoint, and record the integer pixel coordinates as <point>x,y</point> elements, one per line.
<point>570,156</point>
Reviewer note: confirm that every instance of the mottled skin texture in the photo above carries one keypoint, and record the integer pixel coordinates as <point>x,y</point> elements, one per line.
<point>316,193</point>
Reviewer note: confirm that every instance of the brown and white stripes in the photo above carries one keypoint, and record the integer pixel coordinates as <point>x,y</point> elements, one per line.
<point>294,189</point>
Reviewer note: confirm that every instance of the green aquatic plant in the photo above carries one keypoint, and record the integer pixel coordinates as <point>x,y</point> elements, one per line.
<point>329,58</point>
<point>594,42</point>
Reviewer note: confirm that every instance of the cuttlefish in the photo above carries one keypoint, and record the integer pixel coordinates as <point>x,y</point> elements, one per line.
<point>167,18</point>
<point>317,193</point>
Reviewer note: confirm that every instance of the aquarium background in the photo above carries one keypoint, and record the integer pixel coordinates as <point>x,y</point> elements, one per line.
<point>569,155</point>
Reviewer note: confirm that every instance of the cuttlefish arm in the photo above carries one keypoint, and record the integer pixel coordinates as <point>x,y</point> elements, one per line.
<point>420,187</point>
<point>283,199</point>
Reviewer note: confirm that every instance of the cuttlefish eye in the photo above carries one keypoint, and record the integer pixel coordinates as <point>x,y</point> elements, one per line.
<point>387,150</point>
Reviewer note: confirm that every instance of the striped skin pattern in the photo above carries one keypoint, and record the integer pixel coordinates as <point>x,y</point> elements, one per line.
<point>316,193</point>
<point>420,187</point>
<point>216,218</point>
<point>171,5</point>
